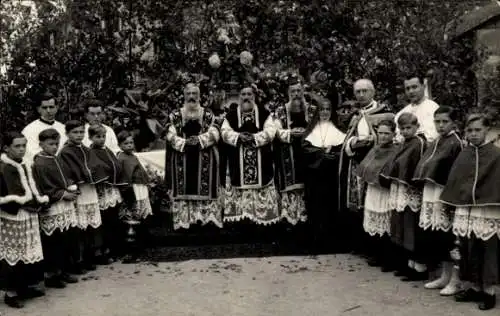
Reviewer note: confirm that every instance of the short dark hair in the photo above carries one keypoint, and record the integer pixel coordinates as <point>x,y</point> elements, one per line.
<point>475,117</point>
<point>47,95</point>
<point>92,103</point>
<point>71,125</point>
<point>452,112</point>
<point>47,134</point>
<point>415,74</point>
<point>407,119</point>
<point>8,138</point>
<point>96,130</point>
<point>388,123</point>
<point>122,136</point>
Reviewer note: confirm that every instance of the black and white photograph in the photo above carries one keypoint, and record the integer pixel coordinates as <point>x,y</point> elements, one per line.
<point>249,158</point>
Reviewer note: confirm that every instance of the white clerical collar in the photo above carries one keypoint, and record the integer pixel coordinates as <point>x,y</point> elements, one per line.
<point>370,106</point>
<point>325,134</point>
<point>46,122</point>
<point>421,101</point>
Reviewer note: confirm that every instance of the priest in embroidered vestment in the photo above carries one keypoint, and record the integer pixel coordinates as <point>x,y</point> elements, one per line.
<point>251,192</point>
<point>360,138</point>
<point>291,120</point>
<point>192,163</point>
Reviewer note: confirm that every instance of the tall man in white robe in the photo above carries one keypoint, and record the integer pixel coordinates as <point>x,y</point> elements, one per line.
<point>47,109</point>
<point>93,115</point>
<point>421,106</point>
<point>251,192</point>
<point>192,163</point>
<point>291,120</point>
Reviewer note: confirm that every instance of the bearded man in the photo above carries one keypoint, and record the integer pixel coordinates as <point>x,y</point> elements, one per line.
<point>360,139</point>
<point>249,135</point>
<point>192,163</point>
<point>290,121</point>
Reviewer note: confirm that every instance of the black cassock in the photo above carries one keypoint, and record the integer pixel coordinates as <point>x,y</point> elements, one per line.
<point>322,192</point>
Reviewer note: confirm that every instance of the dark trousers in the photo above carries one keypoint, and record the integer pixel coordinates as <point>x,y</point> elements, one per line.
<point>54,252</point>
<point>19,277</point>
<point>111,231</point>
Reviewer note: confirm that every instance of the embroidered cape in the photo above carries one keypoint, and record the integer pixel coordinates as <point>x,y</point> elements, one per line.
<point>438,159</point>
<point>111,167</point>
<point>82,164</point>
<point>193,171</point>
<point>50,176</point>
<point>402,167</point>
<point>288,156</point>
<point>18,189</point>
<point>250,165</point>
<point>473,179</point>
<point>370,168</point>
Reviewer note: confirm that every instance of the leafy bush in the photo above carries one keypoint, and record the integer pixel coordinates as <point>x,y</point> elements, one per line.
<point>330,43</point>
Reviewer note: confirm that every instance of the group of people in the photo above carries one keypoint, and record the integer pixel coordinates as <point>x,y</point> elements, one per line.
<point>408,188</point>
<point>405,184</point>
<point>64,191</point>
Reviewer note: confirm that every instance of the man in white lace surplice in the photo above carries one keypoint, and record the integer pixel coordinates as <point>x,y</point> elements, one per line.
<point>251,192</point>
<point>192,163</point>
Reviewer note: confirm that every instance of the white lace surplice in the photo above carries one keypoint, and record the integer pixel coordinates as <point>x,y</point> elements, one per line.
<point>20,238</point>
<point>61,215</point>
<point>434,214</point>
<point>142,207</point>
<point>377,214</point>
<point>483,221</point>
<point>293,207</point>
<point>87,207</point>
<point>109,196</point>
<point>403,195</point>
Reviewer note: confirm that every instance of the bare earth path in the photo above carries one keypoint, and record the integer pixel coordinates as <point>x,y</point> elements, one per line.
<point>324,285</point>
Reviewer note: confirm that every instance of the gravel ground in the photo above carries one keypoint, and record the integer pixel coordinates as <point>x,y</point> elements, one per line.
<point>298,285</point>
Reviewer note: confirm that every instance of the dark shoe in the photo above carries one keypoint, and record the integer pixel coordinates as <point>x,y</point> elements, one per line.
<point>487,302</point>
<point>402,272</point>
<point>416,276</point>
<point>128,259</point>
<point>55,283</point>
<point>13,301</point>
<point>103,260</point>
<point>387,268</point>
<point>67,278</point>
<point>372,262</point>
<point>78,269</point>
<point>32,292</point>
<point>90,266</point>
<point>469,295</point>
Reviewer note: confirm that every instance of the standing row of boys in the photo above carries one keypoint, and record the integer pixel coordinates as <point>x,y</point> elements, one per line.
<point>422,199</point>
<point>60,210</point>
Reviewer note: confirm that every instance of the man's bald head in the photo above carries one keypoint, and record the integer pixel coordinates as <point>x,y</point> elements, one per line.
<point>364,91</point>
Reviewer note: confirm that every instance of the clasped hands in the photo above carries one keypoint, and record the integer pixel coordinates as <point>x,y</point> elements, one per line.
<point>297,131</point>
<point>246,138</point>
<point>192,141</point>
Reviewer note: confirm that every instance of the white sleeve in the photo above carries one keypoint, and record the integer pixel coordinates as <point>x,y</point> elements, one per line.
<point>113,141</point>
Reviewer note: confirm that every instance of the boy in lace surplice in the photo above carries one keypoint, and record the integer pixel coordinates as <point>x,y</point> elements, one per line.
<point>59,215</point>
<point>20,242</point>
<point>405,200</point>
<point>84,171</point>
<point>108,194</point>
<point>377,214</point>
<point>472,188</point>
<point>435,217</point>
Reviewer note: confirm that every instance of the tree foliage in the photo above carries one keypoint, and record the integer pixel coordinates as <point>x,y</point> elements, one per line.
<point>101,45</point>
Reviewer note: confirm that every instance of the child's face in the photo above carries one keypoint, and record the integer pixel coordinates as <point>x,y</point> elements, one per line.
<point>408,130</point>
<point>99,139</point>
<point>50,146</point>
<point>128,145</point>
<point>76,135</point>
<point>17,149</point>
<point>476,133</point>
<point>444,125</point>
<point>385,135</point>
